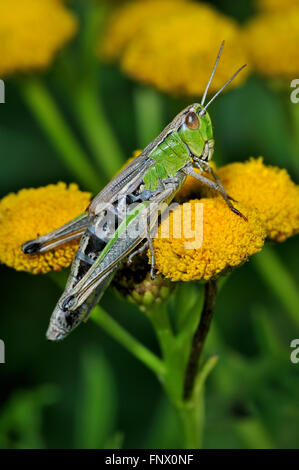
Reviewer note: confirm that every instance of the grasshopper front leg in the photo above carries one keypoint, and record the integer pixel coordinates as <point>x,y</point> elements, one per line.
<point>214,185</point>
<point>70,231</point>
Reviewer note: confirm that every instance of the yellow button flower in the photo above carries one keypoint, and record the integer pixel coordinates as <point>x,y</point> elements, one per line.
<point>276,5</point>
<point>272,42</point>
<point>227,241</point>
<point>31,32</point>
<point>176,55</point>
<point>268,189</point>
<point>34,212</point>
<point>127,22</point>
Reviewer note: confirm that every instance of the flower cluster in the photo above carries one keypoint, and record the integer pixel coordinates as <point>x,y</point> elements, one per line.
<point>272,40</point>
<point>266,196</point>
<point>152,50</point>
<point>176,56</point>
<point>31,32</point>
<point>228,241</point>
<point>34,212</point>
<point>267,189</point>
<point>276,5</point>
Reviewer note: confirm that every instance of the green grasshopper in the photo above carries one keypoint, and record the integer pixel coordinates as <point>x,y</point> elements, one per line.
<point>149,183</point>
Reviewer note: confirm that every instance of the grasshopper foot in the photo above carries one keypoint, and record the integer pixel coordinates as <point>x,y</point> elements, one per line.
<point>239,213</point>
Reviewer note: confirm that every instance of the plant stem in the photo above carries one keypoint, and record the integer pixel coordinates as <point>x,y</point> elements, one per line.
<point>149,115</point>
<point>158,315</point>
<point>294,114</point>
<point>278,279</point>
<point>192,418</point>
<point>199,337</point>
<point>101,318</point>
<point>49,117</point>
<point>117,332</point>
<point>93,121</point>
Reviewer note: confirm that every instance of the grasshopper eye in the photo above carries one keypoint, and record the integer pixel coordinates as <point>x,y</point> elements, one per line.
<point>192,120</point>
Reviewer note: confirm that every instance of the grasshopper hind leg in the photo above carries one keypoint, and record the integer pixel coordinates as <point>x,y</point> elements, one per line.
<point>152,252</point>
<point>70,231</point>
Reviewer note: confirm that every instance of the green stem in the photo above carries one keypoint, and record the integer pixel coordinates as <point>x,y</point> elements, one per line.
<point>158,315</point>
<point>117,332</point>
<point>294,115</point>
<point>280,282</point>
<point>149,115</point>
<point>101,318</point>
<point>192,412</point>
<point>49,117</point>
<point>294,111</point>
<point>93,121</point>
<point>192,419</point>
<point>200,337</point>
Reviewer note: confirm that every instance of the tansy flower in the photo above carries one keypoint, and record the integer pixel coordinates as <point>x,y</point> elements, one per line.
<point>268,189</point>
<point>276,5</point>
<point>125,24</point>
<point>34,212</point>
<point>31,32</point>
<point>272,42</point>
<point>227,241</point>
<point>187,42</point>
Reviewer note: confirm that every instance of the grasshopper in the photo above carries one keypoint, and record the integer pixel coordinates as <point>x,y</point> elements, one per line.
<point>148,183</point>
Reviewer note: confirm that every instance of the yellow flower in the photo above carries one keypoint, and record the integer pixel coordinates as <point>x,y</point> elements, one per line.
<point>127,22</point>
<point>228,241</point>
<point>276,5</point>
<point>31,32</point>
<point>176,55</point>
<point>172,57</point>
<point>268,189</point>
<point>34,212</point>
<point>272,42</point>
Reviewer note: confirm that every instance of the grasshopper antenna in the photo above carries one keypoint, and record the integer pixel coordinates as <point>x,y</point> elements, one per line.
<point>222,88</point>
<point>212,74</point>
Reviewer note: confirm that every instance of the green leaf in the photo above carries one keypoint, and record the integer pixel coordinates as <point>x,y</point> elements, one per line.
<point>97,401</point>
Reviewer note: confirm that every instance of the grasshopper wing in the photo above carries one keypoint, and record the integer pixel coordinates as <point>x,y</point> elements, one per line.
<point>124,183</point>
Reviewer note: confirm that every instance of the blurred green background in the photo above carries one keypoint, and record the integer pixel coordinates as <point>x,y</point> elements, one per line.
<point>88,391</point>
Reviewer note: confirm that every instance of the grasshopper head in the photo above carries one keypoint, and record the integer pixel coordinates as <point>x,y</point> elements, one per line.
<point>197,133</point>
<point>196,129</point>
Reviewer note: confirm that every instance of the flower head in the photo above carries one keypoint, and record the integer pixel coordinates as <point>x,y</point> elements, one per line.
<point>127,22</point>
<point>276,5</point>
<point>272,41</point>
<point>267,189</point>
<point>31,32</point>
<point>227,241</point>
<point>34,212</point>
<point>156,50</point>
